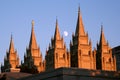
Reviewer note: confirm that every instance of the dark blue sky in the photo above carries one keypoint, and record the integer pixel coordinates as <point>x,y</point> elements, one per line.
<point>16,17</point>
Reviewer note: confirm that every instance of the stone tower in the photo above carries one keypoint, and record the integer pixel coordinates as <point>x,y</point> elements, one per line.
<point>104,58</point>
<point>11,60</point>
<point>33,58</point>
<point>81,47</point>
<point>57,54</point>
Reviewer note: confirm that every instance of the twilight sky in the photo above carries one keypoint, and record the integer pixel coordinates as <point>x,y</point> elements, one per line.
<point>16,17</point>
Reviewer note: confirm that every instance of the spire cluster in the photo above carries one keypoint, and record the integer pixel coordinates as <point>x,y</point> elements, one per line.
<point>57,55</point>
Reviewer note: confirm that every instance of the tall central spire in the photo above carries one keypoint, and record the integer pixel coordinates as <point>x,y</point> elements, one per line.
<point>57,33</point>
<point>33,43</point>
<point>80,27</point>
<point>102,37</point>
<point>11,48</point>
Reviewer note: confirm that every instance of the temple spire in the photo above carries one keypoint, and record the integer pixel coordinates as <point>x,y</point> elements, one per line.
<point>33,43</point>
<point>57,33</point>
<point>11,47</point>
<point>102,37</point>
<point>80,27</point>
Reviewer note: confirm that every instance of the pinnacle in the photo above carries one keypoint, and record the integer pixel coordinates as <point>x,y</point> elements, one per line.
<point>33,43</point>
<point>80,27</point>
<point>102,37</point>
<point>57,33</point>
<point>11,48</point>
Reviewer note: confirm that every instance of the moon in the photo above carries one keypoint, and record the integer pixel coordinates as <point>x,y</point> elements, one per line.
<point>65,33</point>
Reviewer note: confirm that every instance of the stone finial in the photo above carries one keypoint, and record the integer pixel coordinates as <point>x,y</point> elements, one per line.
<point>33,23</point>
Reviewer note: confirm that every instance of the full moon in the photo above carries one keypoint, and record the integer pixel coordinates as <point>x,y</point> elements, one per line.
<point>65,33</point>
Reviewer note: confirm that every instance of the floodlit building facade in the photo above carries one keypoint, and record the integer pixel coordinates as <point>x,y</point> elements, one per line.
<point>81,47</point>
<point>57,55</point>
<point>104,58</point>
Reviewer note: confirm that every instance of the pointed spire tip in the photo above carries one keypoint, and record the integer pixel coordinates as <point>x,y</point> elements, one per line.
<point>11,46</point>
<point>33,42</point>
<point>11,36</point>
<point>56,21</point>
<point>79,11</point>
<point>33,23</point>
<point>79,8</point>
<point>57,33</point>
<point>101,27</point>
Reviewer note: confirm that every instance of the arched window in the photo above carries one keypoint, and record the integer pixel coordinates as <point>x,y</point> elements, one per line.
<point>109,59</point>
<point>103,59</point>
<point>56,55</point>
<point>64,56</point>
